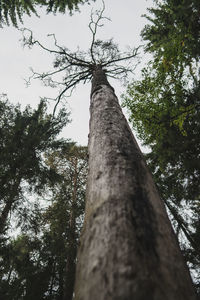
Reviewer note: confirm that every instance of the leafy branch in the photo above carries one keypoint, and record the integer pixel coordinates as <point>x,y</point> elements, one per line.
<point>12,11</point>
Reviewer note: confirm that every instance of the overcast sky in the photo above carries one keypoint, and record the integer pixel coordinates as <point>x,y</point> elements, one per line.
<point>71,31</point>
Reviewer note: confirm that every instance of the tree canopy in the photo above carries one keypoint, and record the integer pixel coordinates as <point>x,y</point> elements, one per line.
<point>13,11</point>
<point>79,66</point>
<point>25,137</point>
<point>39,262</point>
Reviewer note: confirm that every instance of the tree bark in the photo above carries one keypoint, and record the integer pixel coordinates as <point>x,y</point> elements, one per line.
<point>128,249</point>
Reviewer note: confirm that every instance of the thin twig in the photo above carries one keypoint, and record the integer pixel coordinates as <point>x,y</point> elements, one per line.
<point>75,66</point>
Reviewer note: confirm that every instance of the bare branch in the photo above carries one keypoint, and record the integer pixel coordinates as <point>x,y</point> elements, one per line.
<point>79,66</point>
<point>93,26</point>
<point>122,58</point>
<point>72,85</point>
<point>71,58</point>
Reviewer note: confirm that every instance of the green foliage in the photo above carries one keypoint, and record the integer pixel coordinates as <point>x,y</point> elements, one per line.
<point>61,5</point>
<point>164,109</point>
<point>24,137</point>
<point>13,10</point>
<point>22,276</point>
<point>39,263</point>
<point>174,30</point>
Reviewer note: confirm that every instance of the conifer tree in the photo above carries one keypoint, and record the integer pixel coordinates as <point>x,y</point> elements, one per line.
<point>25,137</point>
<point>39,263</point>
<point>12,11</point>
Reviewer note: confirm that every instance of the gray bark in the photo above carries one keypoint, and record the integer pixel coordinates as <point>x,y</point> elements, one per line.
<point>128,249</point>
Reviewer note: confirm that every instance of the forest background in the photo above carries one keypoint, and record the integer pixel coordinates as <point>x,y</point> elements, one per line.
<point>47,189</point>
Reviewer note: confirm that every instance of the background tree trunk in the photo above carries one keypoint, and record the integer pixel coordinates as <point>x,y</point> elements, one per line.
<point>128,249</point>
<point>72,248</point>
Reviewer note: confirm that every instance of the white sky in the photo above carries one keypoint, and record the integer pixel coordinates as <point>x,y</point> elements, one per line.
<point>70,31</point>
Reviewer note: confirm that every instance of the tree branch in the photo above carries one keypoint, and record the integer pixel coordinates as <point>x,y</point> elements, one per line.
<point>79,66</point>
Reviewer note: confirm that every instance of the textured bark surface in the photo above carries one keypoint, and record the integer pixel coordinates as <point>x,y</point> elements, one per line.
<point>128,249</point>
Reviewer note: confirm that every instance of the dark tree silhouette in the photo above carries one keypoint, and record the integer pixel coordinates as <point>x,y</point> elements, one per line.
<point>12,11</point>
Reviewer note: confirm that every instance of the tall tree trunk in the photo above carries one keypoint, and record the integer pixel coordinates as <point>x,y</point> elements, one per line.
<point>4,215</point>
<point>128,249</point>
